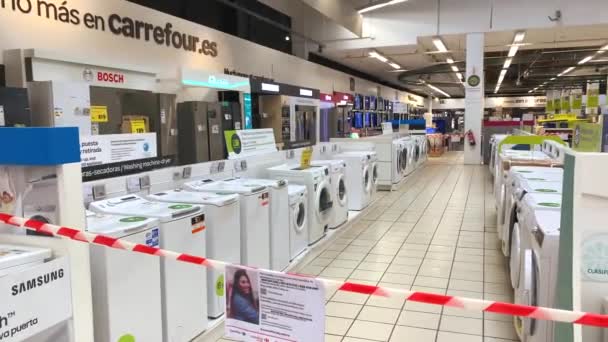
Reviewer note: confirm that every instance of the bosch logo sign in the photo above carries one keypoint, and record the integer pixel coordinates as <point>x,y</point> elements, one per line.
<point>87,75</point>
<point>110,77</point>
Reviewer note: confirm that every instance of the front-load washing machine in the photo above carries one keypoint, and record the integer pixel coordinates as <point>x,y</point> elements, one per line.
<point>408,155</point>
<point>358,179</point>
<point>126,286</point>
<point>255,217</point>
<point>398,166</point>
<point>337,170</point>
<point>298,219</point>
<point>183,286</point>
<point>538,276</point>
<point>279,218</point>
<point>223,221</point>
<point>512,203</point>
<point>320,202</point>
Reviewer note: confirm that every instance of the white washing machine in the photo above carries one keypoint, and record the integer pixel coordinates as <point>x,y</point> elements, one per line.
<point>183,286</point>
<point>14,258</point>
<point>126,286</point>
<point>298,220</point>
<point>279,218</point>
<point>398,165</point>
<point>516,176</point>
<point>408,146</point>
<point>359,180</point>
<point>494,141</point>
<point>538,276</point>
<point>318,183</point>
<point>337,170</point>
<point>223,221</point>
<point>255,218</point>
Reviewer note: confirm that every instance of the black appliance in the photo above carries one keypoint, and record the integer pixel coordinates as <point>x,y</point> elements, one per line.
<point>14,108</point>
<point>193,139</point>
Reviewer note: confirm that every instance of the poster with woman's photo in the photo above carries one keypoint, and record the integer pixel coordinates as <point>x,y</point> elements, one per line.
<point>273,307</point>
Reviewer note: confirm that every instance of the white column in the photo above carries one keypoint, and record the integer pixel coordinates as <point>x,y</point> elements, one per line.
<point>428,117</point>
<point>474,98</point>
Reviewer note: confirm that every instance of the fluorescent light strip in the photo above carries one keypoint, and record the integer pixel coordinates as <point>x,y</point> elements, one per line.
<point>519,37</point>
<point>449,60</point>
<point>438,90</point>
<point>440,45</point>
<point>395,65</point>
<point>507,63</point>
<point>455,68</point>
<point>566,71</point>
<point>379,5</point>
<point>585,60</point>
<point>513,50</point>
<point>378,56</point>
<point>459,75</point>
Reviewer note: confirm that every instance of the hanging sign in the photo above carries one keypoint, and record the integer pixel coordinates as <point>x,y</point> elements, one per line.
<point>99,114</point>
<point>249,142</point>
<point>593,97</point>
<point>272,306</point>
<point>34,300</point>
<point>587,137</point>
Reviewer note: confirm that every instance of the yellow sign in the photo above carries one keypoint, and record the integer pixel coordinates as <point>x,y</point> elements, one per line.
<point>138,126</point>
<point>306,158</point>
<point>99,114</point>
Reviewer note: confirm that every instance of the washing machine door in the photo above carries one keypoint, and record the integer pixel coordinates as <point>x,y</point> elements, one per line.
<point>531,284</point>
<point>416,153</point>
<point>404,161</point>
<point>399,166</point>
<point>374,174</point>
<point>341,193</point>
<point>515,260</point>
<point>299,217</point>
<point>367,180</point>
<point>324,202</point>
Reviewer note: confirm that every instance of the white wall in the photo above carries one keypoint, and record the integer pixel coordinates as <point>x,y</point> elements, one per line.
<point>19,31</point>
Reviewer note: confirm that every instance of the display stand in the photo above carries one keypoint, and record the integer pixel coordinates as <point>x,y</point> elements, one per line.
<point>56,151</point>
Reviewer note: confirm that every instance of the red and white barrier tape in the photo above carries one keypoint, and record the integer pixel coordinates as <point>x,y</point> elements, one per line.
<point>469,304</point>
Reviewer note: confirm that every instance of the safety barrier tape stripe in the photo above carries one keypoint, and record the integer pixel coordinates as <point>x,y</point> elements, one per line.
<point>469,304</point>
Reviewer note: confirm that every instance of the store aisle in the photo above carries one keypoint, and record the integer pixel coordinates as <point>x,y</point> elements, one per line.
<point>436,234</point>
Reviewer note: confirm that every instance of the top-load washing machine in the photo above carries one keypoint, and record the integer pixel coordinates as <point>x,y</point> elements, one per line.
<point>125,285</point>
<point>320,202</point>
<point>14,258</point>
<point>279,217</point>
<point>255,217</point>
<point>298,219</point>
<point>494,141</point>
<point>359,179</point>
<point>183,286</point>
<point>538,274</point>
<point>337,170</point>
<point>222,217</point>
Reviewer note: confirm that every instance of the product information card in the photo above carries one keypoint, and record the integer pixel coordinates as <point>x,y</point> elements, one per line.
<point>273,307</point>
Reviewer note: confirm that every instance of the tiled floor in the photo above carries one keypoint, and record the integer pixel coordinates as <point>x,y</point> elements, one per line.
<point>436,234</point>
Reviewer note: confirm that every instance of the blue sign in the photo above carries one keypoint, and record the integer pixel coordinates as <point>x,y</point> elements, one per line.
<point>430,130</point>
<point>248,115</point>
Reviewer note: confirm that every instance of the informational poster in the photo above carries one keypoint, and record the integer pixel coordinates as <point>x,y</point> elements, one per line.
<point>587,137</point>
<point>273,307</point>
<point>113,148</point>
<point>249,142</point>
<point>34,300</point>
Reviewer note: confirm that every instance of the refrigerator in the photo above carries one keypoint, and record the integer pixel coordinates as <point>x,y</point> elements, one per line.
<point>193,139</point>
<point>14,108</point>
<point>60,104</point>
<point>231,119</point>
<point>215,131</point>
<point>340,121</point>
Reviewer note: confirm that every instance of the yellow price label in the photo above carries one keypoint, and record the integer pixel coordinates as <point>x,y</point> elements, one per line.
<point>306,158</point>
<point>99,114</point>
<point>138,126</point>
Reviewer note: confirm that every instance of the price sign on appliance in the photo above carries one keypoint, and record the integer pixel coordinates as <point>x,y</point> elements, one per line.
<point>99,114</point>
<point>306,158</point>
<point>138,126</point>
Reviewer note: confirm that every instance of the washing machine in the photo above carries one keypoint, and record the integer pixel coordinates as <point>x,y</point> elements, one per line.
<point>255,217</point>
<point>183,286</point>
<point>223,221</point>
<point>516,176</point>
<point>359,181</point>
<point>408,155</point>
<point>279,217</point>
<point>494,141</point>
<point>318,183</point>
<point>337,173</point>
<point>298,220</point>
<point>17,258</point>
<point>538,275</point>
<point>125,285</point>
<point>398,163</point>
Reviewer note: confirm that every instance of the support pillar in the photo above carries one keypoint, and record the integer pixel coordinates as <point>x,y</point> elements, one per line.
<point>474,96</point>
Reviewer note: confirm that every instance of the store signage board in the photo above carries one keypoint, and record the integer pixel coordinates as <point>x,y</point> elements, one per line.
<point>114,148</point>
<point>214,80</point>
<point>34,300</point>
<point>306,92</point>
<point>249,142</point>
<point>271,87</point>
<point>273,306</point>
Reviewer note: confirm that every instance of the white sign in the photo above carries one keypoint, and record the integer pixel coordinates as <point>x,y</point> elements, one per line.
<point>387,128</point>
<point>204,79</point>
<point>250,142</point>
<point>34,300</point>
<point>270,87</point>
<point>496,102</point>
<point>114,148</point>
<point>273,307</point>
<point>306,92</point>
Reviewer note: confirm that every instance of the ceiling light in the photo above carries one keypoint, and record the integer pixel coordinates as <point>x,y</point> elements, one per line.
<point>604,48</point>
<point>459,75</point>
<point>437,89</point>
<point>287,38</point>
<point>585,60</point>
<point>455,68</point>
<point>440,45</point>
<point>449,60</point>
<point>395,65</point>
<point>496,89</point>
<point>519,37</point>
<point>531,90</point>
<point>507,63</point>
<point>378,56</point>
<point>566,71</point>
<point>513,50</point>
<point>378,4</point>
<point>552,79</point>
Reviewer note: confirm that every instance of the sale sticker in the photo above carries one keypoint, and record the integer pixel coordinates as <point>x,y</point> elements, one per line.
<point>99,114</point>
<point>306,158</point>
<point>138,126</point>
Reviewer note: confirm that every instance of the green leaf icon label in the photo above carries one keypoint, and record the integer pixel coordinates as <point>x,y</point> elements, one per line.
<point>133,219</point>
